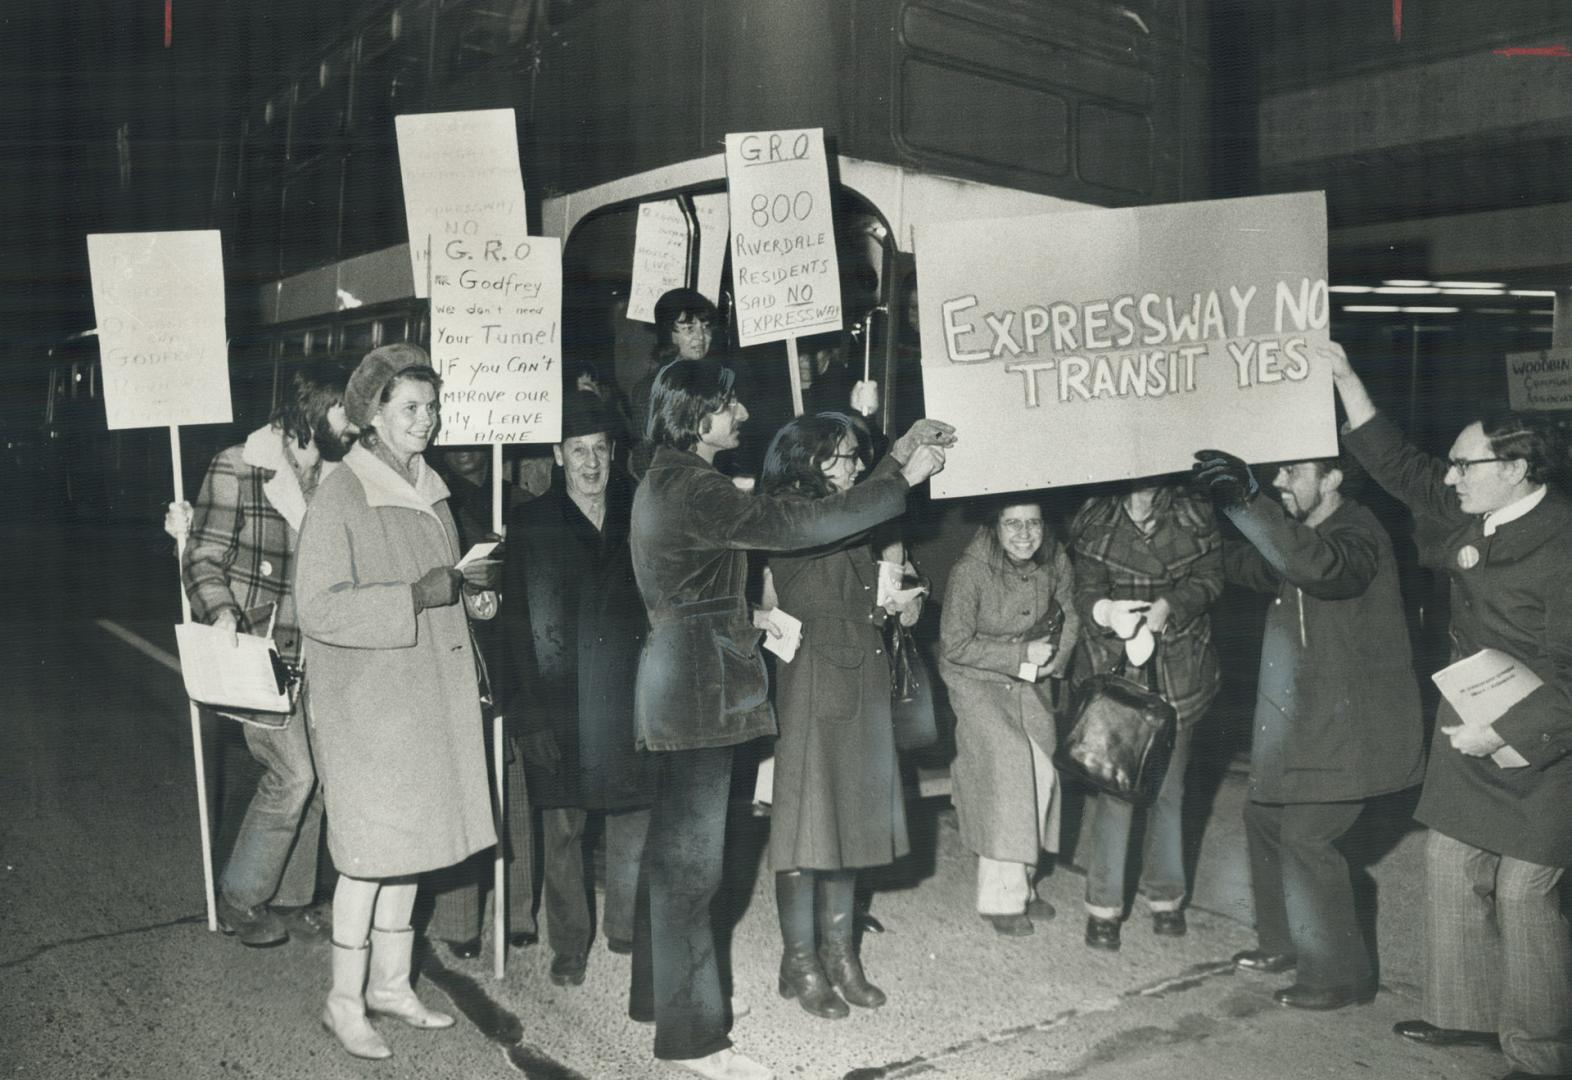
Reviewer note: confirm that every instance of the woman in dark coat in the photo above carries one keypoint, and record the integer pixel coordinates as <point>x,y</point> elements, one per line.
<point>838,803</point>
<point>1148,565</point>
<point>701,684</point>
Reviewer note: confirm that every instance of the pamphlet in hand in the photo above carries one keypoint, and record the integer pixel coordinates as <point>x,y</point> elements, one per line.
<point>896,586</point>
<point>790,639</point>
<point>477,553</point>
<point>232,671</point>
<point>1483,687</point>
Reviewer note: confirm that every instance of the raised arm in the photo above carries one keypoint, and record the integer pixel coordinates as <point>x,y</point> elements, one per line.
<point>1335,564</point>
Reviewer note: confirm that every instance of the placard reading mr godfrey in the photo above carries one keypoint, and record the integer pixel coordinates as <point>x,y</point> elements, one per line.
<point>1107,344</point>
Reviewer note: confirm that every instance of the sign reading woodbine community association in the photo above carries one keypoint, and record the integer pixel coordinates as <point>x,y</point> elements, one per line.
<point>1540,380</point>
<point>783,263</point>
<point>159,302</point>
<point>461,178</point>
<point>1110,344</point>
<point>496,337</point>
<point>660,251</point>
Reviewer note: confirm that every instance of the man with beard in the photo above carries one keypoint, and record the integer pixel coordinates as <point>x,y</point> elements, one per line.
<point>238,570</point>
<point>1337,712</point>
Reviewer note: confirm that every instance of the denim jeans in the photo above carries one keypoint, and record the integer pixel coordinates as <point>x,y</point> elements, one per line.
<point>566,891</point>
<point>676,974</point>
<point>275,854</point>
<point>1162,866</point>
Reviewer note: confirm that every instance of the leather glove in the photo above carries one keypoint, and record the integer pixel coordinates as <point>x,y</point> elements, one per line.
<point>482,575</point>
<point>1123,617</point>
<point>538,746</point>
<point>1223,478</point>
<point>437,587</point>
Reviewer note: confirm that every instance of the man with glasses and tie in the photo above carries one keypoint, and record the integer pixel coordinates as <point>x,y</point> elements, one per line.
<point>1497,795</point>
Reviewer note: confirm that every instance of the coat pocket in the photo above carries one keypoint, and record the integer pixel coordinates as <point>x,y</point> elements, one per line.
<point>837,681</point>
<point>744,684</point>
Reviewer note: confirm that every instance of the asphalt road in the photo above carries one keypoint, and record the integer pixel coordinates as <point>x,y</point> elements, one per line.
<point>107,968</point>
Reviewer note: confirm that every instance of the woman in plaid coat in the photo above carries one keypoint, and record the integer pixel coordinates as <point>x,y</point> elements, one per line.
<point>1148,560</point>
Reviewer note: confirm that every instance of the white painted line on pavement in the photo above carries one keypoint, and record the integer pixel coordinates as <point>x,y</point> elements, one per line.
<point>140,644</point>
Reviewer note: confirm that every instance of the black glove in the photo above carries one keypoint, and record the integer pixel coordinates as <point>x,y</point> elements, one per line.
<point>437,587</point>
<point>1223,478</point>
<point>539,747</point>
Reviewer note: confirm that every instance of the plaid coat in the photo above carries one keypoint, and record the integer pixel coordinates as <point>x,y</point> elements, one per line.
<point>1182,560</point>
<point>238,555</point>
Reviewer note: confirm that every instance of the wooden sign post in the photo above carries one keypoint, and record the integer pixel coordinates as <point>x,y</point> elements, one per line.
<point>159,303</point>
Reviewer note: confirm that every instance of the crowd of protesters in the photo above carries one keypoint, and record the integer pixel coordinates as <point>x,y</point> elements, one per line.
<point>618,634</point>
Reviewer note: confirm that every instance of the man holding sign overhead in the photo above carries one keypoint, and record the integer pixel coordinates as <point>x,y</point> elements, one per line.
<point>1499,956</point>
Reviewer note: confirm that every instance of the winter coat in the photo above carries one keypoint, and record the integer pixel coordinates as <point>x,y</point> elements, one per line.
<point>1337,703</point>
<point>393,706</point>
<point>574,625</point>
<point>1516,598</point>
<point>701,677</point>
<point>838,802</point>
<point>1182,560</point>
<point>989,604</point>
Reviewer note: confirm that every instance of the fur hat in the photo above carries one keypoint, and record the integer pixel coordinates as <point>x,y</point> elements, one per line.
<point>363,396</point>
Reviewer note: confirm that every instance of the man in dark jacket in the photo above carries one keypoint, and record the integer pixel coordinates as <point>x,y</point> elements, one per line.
<point>1498,949</point>
<point>575,623</point>
<point>1337,712</point>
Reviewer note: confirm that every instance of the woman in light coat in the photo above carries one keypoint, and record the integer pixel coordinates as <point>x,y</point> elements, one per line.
<point>394,713</point>
<point>1009,587</point>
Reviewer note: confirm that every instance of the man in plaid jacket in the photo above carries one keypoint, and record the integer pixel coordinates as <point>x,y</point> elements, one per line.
<point>237,569</point>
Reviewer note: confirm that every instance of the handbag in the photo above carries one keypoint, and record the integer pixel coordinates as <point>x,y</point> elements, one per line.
<point>1122,735</point>
<point>911,695</point>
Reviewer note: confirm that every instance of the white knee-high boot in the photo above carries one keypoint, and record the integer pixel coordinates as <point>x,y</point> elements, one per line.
<point>388,992</point>
<point>344,1015</point>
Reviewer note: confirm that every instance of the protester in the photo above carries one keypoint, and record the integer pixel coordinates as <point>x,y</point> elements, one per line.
<point>244,532</point>
<point>1010,585</point>
<point>701,683</point>
<point>1336,716</point>
<point>1148,565</point>
<point>1498,953</point>
<point>458,892</point>
<point>838,801</point>
<point>395,719</point>
<point>685,324</point>
<point>575,624</point>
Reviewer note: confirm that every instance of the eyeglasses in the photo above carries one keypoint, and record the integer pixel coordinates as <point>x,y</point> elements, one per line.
<point>1462,464</point>
<point>1016,525</point>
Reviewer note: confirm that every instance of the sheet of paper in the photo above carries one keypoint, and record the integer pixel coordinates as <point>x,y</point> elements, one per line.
<point>790,639</point>
<point>235,673</point>
<point>1483,687</point>
<point>476,553</point>
<point>764,782</point>
<point>1026,672</point>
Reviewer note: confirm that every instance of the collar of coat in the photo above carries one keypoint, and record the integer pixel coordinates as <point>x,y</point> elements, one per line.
<point>385,487</point>
<point>264,449</point>
<point>669,457</point>
<point>1551,519</point>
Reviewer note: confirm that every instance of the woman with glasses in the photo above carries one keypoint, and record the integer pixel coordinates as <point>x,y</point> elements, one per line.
<point>1496,793</point>
<point>685,322</point>
<point>1007,593</point>
<point>1148,565</point>
<point>838,804</point>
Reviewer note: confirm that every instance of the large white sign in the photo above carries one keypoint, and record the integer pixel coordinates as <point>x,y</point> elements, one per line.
<point>783,263</point>
<point>660,251</point>
<point>159,302</point>
<point>496,337</point>
<point>461,179</point>
<point>1540,380</point>
<point>1110,344</point>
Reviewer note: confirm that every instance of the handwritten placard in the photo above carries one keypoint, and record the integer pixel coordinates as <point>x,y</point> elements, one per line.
<point>660,251</point>
<point>496,337</point>
<point>461,179</point>
<point>159,302</point>
<point>783,262</point>
<point>1540,380</point>
<point>1111,344</point>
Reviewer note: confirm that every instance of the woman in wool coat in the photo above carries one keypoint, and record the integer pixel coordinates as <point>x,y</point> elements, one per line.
<point>1006,593</point>
<point>838,803</point>
<point>394,707</point>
